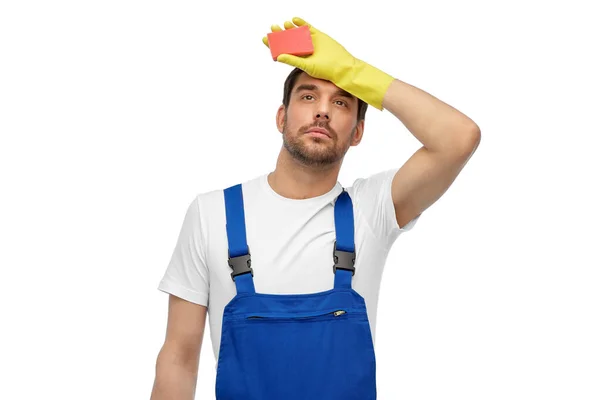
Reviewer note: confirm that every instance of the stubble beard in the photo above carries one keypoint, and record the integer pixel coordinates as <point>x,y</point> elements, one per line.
<point>318,152</point>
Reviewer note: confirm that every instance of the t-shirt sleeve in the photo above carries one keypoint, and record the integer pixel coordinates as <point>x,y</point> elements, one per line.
<point>373,199</point>
<point>187,274</point>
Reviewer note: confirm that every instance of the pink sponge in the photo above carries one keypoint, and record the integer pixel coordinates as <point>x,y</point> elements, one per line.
<point>295,41</point>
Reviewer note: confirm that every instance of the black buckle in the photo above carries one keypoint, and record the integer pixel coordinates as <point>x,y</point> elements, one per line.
<point>343,259</point>
<point>240,265</point>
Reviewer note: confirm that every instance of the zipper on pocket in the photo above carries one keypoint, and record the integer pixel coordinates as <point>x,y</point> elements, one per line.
<point>336,313</point>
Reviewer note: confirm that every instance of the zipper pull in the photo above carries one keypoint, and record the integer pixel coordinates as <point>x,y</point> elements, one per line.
<point>339,312</point>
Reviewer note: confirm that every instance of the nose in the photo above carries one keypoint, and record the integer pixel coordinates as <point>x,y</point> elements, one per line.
<point>322,115</point>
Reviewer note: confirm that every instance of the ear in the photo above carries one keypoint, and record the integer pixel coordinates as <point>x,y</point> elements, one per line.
<point>280,118</point>
<point>360,128</point>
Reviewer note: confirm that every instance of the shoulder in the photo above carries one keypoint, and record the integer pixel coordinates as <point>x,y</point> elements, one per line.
<point>373,181</point>
<point>372,199</point>
<point>211,202</point>
<point>373,189</point>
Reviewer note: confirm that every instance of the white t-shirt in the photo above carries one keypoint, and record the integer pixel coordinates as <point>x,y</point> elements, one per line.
<point>290,241</point>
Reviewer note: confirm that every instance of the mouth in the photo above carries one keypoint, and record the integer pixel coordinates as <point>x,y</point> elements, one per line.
<point>318,132</point>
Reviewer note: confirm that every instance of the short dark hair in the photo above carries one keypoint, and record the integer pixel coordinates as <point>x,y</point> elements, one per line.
<point>290,81</point>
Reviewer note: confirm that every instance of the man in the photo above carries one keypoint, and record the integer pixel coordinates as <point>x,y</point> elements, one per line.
<point>284,324</point>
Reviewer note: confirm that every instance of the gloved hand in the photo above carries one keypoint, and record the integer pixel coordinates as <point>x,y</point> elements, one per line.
<point>331,61</point>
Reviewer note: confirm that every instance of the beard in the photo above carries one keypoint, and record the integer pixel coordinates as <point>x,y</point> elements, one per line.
<point>314,151</point>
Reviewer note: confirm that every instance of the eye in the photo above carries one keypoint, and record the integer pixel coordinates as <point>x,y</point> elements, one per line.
<point>307,95</point>
<point>342,103</point>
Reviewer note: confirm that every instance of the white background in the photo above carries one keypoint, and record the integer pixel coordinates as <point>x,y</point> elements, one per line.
<point>115,114</point>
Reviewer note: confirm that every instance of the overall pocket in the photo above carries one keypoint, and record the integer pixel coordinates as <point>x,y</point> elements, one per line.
<point>308,316</point>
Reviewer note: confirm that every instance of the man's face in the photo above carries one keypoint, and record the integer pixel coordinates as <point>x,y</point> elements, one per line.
<point>316,103</point>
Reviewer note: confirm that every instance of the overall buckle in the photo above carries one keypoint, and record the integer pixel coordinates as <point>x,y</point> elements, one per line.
<point>343,259</point>
<point>240,265</point>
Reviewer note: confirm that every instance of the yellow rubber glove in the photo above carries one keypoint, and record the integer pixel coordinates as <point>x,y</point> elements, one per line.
<point>332,62</point>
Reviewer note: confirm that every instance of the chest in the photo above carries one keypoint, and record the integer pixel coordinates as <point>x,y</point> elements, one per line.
<point>289,253</point>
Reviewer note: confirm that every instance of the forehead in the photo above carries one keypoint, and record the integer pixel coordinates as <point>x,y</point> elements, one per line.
<point>303,77</point>
<point>320,84</point>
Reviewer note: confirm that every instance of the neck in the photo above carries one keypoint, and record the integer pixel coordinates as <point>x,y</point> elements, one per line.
<point>297,181</point>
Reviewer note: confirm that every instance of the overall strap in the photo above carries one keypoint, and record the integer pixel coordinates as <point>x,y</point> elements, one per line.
<point>239,253</point>
<point>344,254</point>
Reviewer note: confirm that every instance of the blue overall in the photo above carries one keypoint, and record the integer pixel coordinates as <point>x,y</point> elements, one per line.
<point>315,346</point>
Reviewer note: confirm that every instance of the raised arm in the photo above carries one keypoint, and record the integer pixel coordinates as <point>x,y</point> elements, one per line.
<point>449,140</point>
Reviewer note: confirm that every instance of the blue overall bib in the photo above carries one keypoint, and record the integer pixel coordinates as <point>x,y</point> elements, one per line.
<point>315,346</point>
